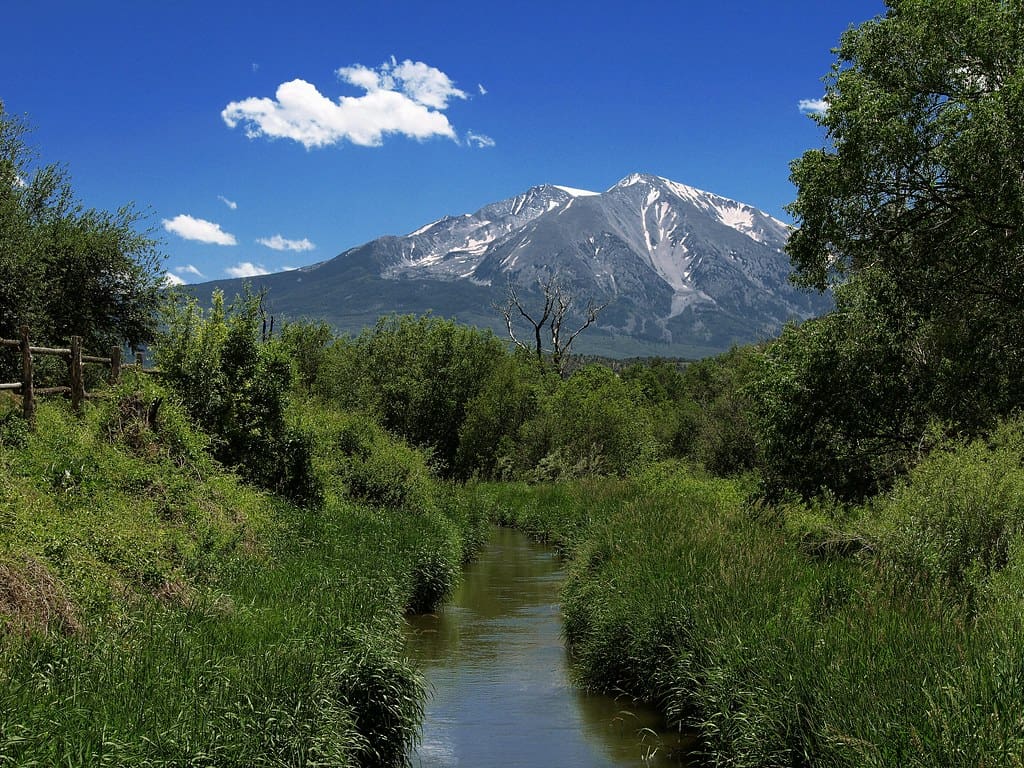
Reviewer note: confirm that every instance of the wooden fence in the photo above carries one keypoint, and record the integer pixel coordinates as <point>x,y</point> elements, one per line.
<point>76,360</point>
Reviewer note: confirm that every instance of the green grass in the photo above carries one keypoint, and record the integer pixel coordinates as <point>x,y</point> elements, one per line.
<point>161,613</point>
<point>773,657</point>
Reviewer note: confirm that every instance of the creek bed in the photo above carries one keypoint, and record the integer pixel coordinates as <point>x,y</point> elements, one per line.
<point>500,692</point>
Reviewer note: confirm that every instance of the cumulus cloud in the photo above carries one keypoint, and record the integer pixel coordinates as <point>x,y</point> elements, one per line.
<point>479,140</point>
<point>279,243</point>
<point>813,106</point>
<point>172,279</point>
<point>204,231</point>
<point>229,203</point>
<point>247,269</point>
<point>407,99</point>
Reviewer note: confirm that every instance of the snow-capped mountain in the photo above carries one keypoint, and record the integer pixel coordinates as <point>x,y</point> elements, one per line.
<point>676,265</point>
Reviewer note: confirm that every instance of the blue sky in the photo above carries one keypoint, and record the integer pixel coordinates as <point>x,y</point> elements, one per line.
<point>268,135</point>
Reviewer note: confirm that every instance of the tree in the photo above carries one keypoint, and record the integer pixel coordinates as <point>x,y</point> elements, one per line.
<point>66,269</point>
<point>925,175</point>
<point>417,375</point>
<point>923,184</point>
<point>915,210</point>
<point>235,383</point>
<point>549,321</point>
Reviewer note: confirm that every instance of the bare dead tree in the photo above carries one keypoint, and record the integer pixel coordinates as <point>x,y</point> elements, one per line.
<point>548,322</point>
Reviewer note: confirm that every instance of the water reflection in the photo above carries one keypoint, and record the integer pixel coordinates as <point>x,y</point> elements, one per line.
<point>500,693</point>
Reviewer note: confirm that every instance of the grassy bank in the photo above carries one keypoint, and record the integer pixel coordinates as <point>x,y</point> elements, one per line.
<point>773,655</point>
<point>157,611</point>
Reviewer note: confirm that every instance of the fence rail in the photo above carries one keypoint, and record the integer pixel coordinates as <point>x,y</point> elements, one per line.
<point>76,359</point>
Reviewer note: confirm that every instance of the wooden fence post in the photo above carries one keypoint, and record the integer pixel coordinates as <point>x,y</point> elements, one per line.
<point>28,397</point>
<point>115,364</point>
<point>77,380</point>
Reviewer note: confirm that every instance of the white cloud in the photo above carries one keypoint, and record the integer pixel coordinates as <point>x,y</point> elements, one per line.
<point>247,269</point>
<point>479,140</point>
<point>483,91</point>
<point>279,243</point>
<point>188,269</point>
<point>406,99</point>
<point>204,231</point>
<point>813,106</point>
<point>229,203</point>
<point>172,279</point>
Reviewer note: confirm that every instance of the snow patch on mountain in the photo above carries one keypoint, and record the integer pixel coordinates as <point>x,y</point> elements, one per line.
<point>576,192</point>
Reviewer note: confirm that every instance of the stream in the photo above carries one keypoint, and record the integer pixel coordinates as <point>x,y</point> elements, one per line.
<point>500,692</point>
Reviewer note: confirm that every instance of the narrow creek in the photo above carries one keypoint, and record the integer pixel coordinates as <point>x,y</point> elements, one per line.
<point>500,692</point>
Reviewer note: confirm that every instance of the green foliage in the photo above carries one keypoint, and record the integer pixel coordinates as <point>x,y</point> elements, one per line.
<point>841,402</point>
<point>917,203</point>
<point>715,424</point>
<point>148,419</point>
<point>307,344</point>
<point>590,424</point>
<point>772,655</point>
<point>66,270</point>
<point>355,457</point>
<point>237,387</point>
<point>959,515</point>
<point>507,399</point>
<point>225,626</point>
<point>417,375</point>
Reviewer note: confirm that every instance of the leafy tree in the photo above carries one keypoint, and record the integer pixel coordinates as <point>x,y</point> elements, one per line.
<point>508,398</point>
<point>922,188</point>
<point>716,423</point>
<point>308,344</point>
<point>236,386</point>
<point>66,269</point>
<point>592,423</point>
<point>915,209</point>
<point>840,404</point>
<point>417,375</point>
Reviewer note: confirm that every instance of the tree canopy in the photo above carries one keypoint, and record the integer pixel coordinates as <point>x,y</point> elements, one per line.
<point>924,177</point>
<point>66,269</point>
<point>913,211</point>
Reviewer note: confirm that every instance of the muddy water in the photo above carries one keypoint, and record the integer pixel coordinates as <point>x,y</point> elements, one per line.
<point>500,690</point>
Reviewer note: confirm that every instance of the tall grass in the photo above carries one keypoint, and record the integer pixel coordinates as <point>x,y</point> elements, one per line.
<point>773,656</point>
<point>213,624</point>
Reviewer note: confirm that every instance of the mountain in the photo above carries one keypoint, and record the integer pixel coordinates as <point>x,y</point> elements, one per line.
<point>683,271</point>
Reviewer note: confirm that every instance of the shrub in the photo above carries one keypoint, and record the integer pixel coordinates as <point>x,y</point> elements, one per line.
<point>594,423</point>
<point>417,375</point>
<point>960,513</point>
<point>357,458</point>
<point>237,387</point>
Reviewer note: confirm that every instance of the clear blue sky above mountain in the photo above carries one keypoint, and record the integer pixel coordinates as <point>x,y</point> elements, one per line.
<point>263,135</point>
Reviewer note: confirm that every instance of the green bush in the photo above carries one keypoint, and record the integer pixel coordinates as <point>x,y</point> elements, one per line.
<point>959,515</point>
<point>237,388</point>
<point>416,375</point>
<point>357,458</point>
<point>507,399</point>
<point>594,423</point>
